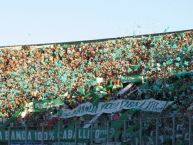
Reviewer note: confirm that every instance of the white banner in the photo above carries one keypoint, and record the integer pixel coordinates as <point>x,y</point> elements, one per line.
<point>150,105</point>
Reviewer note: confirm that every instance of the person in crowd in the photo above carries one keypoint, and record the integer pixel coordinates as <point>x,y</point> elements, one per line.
<point>159,65</point>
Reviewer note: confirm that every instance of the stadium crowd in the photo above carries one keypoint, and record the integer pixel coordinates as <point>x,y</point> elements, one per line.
<point>158,66</point>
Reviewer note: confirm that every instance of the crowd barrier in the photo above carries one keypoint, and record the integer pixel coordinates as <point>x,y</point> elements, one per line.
<point>174,129</point>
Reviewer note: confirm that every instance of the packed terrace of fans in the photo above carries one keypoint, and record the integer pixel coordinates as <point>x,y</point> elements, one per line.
<point>157,66</point>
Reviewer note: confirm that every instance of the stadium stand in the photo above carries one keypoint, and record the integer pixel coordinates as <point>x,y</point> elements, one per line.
<point>158,66</point>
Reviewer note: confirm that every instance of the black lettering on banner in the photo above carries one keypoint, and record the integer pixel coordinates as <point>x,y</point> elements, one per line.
<point>123,104</point>
<point>142,104</point>
<point>130,104</point>
<point>108,105</point>
<point>151,106</point>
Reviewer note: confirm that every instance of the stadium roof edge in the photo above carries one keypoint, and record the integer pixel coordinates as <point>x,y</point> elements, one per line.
<point>96,40</point>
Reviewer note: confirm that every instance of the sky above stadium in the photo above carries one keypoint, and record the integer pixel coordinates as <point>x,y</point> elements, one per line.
<point>47,21</point>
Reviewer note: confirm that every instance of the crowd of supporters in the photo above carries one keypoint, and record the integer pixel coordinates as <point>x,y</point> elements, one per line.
<point>158,66</point>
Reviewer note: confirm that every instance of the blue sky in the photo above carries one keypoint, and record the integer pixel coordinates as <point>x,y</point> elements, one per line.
<point>46,21</point>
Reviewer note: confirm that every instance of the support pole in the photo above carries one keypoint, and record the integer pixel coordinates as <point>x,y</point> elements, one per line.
<point>91,134</point>
<point>25,132</point>
<point>42,141</point>
<point>75,134</point>
<point>9,135</point>
<point>157,132</point>
<point>174,129</point>
<point>107,132</point>
<point>124,130</point>
<point>140,129</point>
<point>190,129</point>
<point>58,132</point>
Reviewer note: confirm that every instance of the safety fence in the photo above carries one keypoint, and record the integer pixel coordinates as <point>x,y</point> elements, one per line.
<point>153,130</point>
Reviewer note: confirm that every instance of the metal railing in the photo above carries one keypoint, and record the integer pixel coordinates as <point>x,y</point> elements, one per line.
<point>159,130</point>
